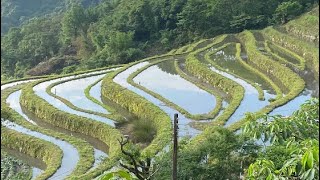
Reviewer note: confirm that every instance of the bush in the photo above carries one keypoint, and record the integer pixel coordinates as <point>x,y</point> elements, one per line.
<point>287,11</point>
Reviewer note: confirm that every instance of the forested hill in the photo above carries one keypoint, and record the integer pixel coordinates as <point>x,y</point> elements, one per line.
<point>77,36</point>
<point>16,12</point>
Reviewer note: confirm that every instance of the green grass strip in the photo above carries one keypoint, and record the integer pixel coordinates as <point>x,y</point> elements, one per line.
<point>270,47</point>
<point>59,76</point>
<point>282,60</point>
<point>86,157</point>
<point>284,75</point>
<point>37,148</point>
<point>140,107</point>
<point>186,49</point>
<point>238,57</point>
<point>193,46</point>
<point>115,114</point>
<point>294,81</point>
<point>256,65</point>
<point>307,51</point>
<point>22,79</point>
<point>182,49</point>
<point>202,72</point>
<point>72,122</point>
<point>212,114</point>
<point>172,52</point>
<point>263,76</point>
<point>306,26</point>
<point>72,106</point>
<point>56,117</point>
<point>105,106</point>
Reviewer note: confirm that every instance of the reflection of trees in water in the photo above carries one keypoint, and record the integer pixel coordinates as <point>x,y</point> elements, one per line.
<point>168,67</point>
<point>312,84</point>
<point>226,54</point>
<point>229,39</point>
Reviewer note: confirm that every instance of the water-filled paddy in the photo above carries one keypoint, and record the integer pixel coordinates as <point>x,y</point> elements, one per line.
<point>73,91</point>
<point>40,90</point>
<point>164,80</point>
<point>184,128</point>
<point>70,154</point>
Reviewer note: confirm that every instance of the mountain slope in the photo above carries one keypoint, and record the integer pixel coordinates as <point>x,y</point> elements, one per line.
<point>16,12</point>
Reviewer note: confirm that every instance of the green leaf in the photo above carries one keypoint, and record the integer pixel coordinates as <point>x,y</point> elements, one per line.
<point>124,174</point>
<point>271,129</point>
<point>289,144</point>
<point>316,155</point>
<point>305,175</point>
<point>310,160</point>
<point>266,137</point>
<point>251,170</point>
<point>272,140</point>
<point>304,160</point>
<point>311,175</point>
<point>269,177</point>
<point>289,162</point>
<point>107,176</point>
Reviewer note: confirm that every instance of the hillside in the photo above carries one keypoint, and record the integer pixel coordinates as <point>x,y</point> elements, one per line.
<point>121,31</point>
<point>17,12</point>
<point>247,101</point>
<point>305,27</point>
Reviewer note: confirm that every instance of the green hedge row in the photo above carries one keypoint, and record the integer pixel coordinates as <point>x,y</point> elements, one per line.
<point>85,149</point>
<point>238,57</point>
<point>202,72</point>
<point>307,51</point>
<point>45,151</point>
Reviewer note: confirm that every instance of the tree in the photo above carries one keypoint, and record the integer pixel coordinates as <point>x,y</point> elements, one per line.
<point>73,22</point>
<point>287,11</point>
<point>124,175</point>
<point>141,168</point>
<point>218,156</point>
<point>296,139</point>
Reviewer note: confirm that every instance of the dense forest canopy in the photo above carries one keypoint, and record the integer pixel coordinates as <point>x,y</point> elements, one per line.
<point>77,35</point>
<point>17,12</point>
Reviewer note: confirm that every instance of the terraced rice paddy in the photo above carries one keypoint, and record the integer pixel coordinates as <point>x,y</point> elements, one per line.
<point>213,82</point>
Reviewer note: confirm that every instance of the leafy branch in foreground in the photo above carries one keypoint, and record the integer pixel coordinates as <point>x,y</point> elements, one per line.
<point>137,167</point>
<point>294,144</point>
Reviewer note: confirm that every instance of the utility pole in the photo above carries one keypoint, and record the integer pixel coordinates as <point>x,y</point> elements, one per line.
<point>175,147</point>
